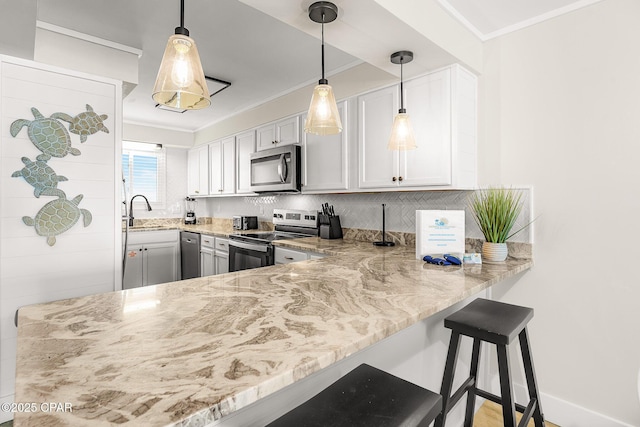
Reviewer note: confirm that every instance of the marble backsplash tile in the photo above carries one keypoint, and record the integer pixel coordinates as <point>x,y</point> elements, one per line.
<point>360,213</point>
<point>363,211</point>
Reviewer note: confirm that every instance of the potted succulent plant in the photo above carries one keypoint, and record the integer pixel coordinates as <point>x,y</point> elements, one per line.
<point>495,210</point>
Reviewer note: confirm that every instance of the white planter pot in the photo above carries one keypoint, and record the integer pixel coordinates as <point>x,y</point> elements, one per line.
<point>494,252</point>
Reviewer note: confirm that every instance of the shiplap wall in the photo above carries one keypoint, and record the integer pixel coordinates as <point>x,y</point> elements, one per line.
<point>83,260</point>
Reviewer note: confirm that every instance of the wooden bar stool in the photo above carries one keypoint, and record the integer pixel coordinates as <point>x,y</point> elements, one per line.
<point>497,323</point>
<point>366,397</point>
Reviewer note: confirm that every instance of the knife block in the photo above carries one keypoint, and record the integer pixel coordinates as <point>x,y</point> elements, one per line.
<point>330,227</point>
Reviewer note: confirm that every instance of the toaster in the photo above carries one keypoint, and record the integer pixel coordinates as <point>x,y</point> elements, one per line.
<point>245,222</point>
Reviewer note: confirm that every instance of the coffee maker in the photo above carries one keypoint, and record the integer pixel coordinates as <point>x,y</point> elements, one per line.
<point>190,209</point>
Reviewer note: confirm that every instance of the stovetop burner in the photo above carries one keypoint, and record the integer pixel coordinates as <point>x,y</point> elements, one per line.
<point>289,224</point>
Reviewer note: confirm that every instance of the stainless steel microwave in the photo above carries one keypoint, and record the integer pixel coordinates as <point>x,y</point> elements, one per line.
<point>276,170</point>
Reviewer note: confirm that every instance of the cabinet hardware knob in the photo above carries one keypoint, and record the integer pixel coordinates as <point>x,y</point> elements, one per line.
<point>400,179</point>
<point>394,179</point>
<point>146,249</point>
<point>288,257</point>
<point>197,191</point>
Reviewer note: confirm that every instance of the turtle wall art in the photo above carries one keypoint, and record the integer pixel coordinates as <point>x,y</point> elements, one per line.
<point>47,134</point>
<point>84,124</point>
<point>58,216</point>
<point>51,137</point>
<point>40,175</point>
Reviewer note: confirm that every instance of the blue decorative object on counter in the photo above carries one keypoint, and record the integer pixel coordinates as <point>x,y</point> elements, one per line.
<point>452,259</point>
<point>437,261</point>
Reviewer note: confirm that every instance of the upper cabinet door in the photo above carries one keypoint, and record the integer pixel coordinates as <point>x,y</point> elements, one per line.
<point>245,146</point>
<point>378,167</point>
<point>222,160</point>
<point>198,171</point>
<point>282,132</point>
<point>215,168</point>
<point>288,131</point>
<point>266,137</point>
<point>325,158</point>
<point>228,166</point>
<point>428,103</point>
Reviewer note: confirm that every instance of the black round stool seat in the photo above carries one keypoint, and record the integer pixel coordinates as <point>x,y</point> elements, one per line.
<point>366,397</point>
<point>497,323</point>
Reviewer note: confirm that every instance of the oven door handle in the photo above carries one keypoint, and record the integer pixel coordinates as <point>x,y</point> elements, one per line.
<point>249,246</point>
<point>282,168</point>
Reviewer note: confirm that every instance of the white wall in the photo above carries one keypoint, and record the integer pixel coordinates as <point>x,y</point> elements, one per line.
<point>168,137</point>
<point>561,111</point>
<point>84,260</point>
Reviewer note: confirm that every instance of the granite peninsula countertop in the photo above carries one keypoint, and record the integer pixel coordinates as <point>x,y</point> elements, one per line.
<point>194,351</point>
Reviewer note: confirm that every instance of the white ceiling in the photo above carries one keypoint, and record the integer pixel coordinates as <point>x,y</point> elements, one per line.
<point>264,57</point>
<point>492,18</point>
<point>261,57</point>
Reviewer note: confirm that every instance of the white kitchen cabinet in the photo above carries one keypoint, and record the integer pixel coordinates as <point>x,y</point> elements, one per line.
<point>152,258</point>
<point>207,264</point>
<point>287,256</point>
<point>214,255</point>
<point>276,134</point>
<point>325,158</point>
<point>221,255</point>
<point>245,146</point>
<point>198,171</point>
<point>222,167</point>
<point>377,166</point>
<point>442,107</point>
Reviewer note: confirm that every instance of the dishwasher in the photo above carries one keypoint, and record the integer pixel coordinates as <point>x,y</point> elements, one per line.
<point>189,254</point>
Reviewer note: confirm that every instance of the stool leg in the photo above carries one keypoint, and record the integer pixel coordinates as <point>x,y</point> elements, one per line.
<point>473,373</point>
<point>508,404</point>
<point>447,378</point>
<point>530,373</point>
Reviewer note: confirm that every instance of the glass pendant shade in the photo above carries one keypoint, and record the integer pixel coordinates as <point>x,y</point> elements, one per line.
<point>323,117</point>
<point>180,82</point>
<point>402,137</point>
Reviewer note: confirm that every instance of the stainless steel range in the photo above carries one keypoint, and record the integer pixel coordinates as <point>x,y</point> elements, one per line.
<point>253,250</point>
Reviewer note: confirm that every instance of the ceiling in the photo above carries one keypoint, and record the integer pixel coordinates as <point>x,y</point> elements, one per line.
<point>492,18</point>
<point>264,57</point>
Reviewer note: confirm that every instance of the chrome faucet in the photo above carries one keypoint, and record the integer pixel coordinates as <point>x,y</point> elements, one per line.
<point>131,207</point>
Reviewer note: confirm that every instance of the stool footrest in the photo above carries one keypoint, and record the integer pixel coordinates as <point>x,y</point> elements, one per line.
<point>528,413</point>
<point>469,383</point>
<point>497,399</point>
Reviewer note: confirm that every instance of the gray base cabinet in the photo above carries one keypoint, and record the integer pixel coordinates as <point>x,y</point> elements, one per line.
<point>152,258</point>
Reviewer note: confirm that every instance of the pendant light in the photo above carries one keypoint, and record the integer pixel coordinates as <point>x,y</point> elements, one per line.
<point>180,82</point>
<point>323,117</point>
<point>402,137</point>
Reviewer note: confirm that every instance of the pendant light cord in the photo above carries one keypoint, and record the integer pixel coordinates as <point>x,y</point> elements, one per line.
<point>182,13</point>
<point>323,79</point>
<point>402,110</point>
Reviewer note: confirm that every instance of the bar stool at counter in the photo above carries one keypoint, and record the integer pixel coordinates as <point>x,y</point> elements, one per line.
<point>366,397</point>
<point>498,323</point>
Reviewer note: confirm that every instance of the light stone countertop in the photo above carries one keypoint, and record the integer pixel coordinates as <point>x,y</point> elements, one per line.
<point>194,351</point>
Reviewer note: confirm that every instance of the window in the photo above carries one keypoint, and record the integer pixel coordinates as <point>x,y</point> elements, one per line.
<point>144,171</point>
